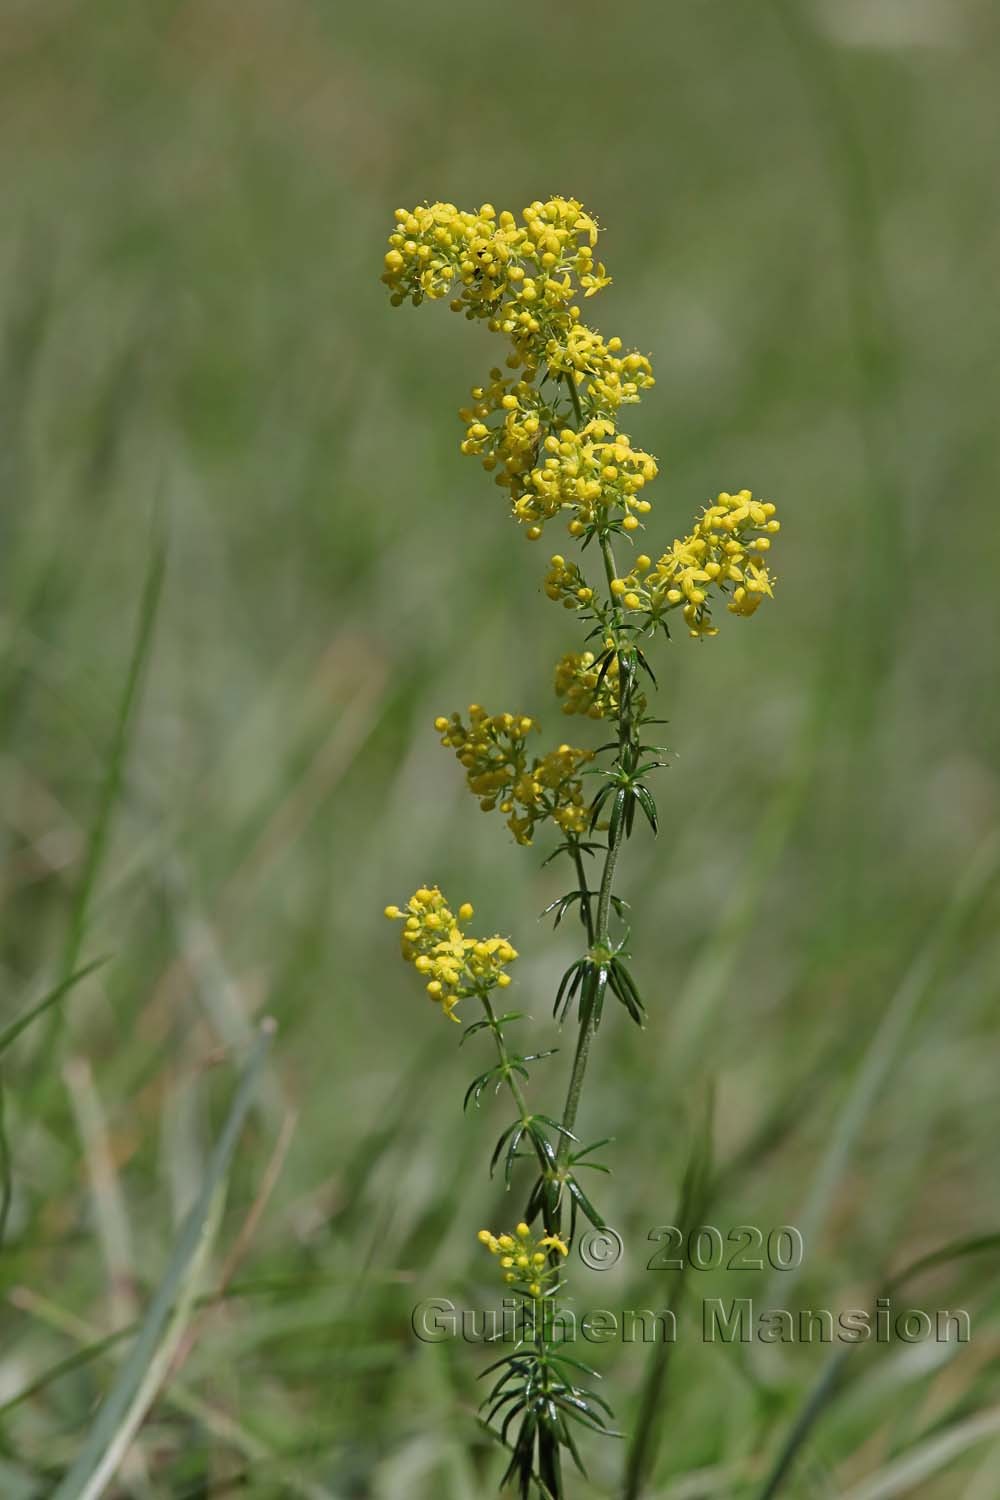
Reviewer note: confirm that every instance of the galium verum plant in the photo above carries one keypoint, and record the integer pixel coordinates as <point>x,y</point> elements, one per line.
<point>546,424</point>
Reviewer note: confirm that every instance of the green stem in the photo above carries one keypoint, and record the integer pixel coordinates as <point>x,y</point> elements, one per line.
<point>600,938</point>
<point>602,935</point>
<point>598,931</point>
<point>610,570</point>
<point>504,1056</point>
<point>575,398</point>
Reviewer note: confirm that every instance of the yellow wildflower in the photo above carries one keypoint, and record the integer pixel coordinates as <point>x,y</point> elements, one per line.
<point>452,964</point>
<point>595,474</point>
<point>565,581</point>
<point>723,553</point>
<point>579,683</point>
<point>493,750</point>
<point>531,1270</point>
<point>525,280</point>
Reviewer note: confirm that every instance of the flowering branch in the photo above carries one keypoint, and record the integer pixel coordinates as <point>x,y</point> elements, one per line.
<point>547,428</point>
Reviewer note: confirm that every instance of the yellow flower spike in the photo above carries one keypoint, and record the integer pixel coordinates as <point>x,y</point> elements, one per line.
<point>522,1231</point>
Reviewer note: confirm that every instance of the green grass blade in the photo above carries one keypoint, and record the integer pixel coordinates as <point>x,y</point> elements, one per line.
<point>10,1033</point>
<point>135,1386</point>
<point>979,1244</point>
<point>7,1036</point>
<point>829,1384</point>
<point>886,1044</point>
<point>111,790</point>
<point>80,1358</point>
<point>696,1192</point>
<point>6,1172</point>
<point>815,1404</point>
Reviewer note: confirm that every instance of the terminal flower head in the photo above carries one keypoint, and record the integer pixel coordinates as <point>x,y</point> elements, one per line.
<point>548,426</point>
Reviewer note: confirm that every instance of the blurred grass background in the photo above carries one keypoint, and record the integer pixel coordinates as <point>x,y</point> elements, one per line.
<point>802,222</point>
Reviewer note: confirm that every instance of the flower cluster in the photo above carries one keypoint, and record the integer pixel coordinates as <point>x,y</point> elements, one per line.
<point>512,443</point>
<point>524,279</point>
<point>612,378</point>
<point>565,582</point>
<point>723,552</point>
<point>583,689</point>
<point>526,1260</point>
<point>493,750</point>
<point>594,473</point>
<point>454,965</point>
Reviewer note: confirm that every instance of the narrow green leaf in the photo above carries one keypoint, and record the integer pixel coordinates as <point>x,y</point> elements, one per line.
<point>149,605</point>
<point>13,1031</point>
<point>695,1196</point>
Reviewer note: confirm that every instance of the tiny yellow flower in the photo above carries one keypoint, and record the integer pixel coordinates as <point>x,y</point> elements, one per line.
<point>455,965</point>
